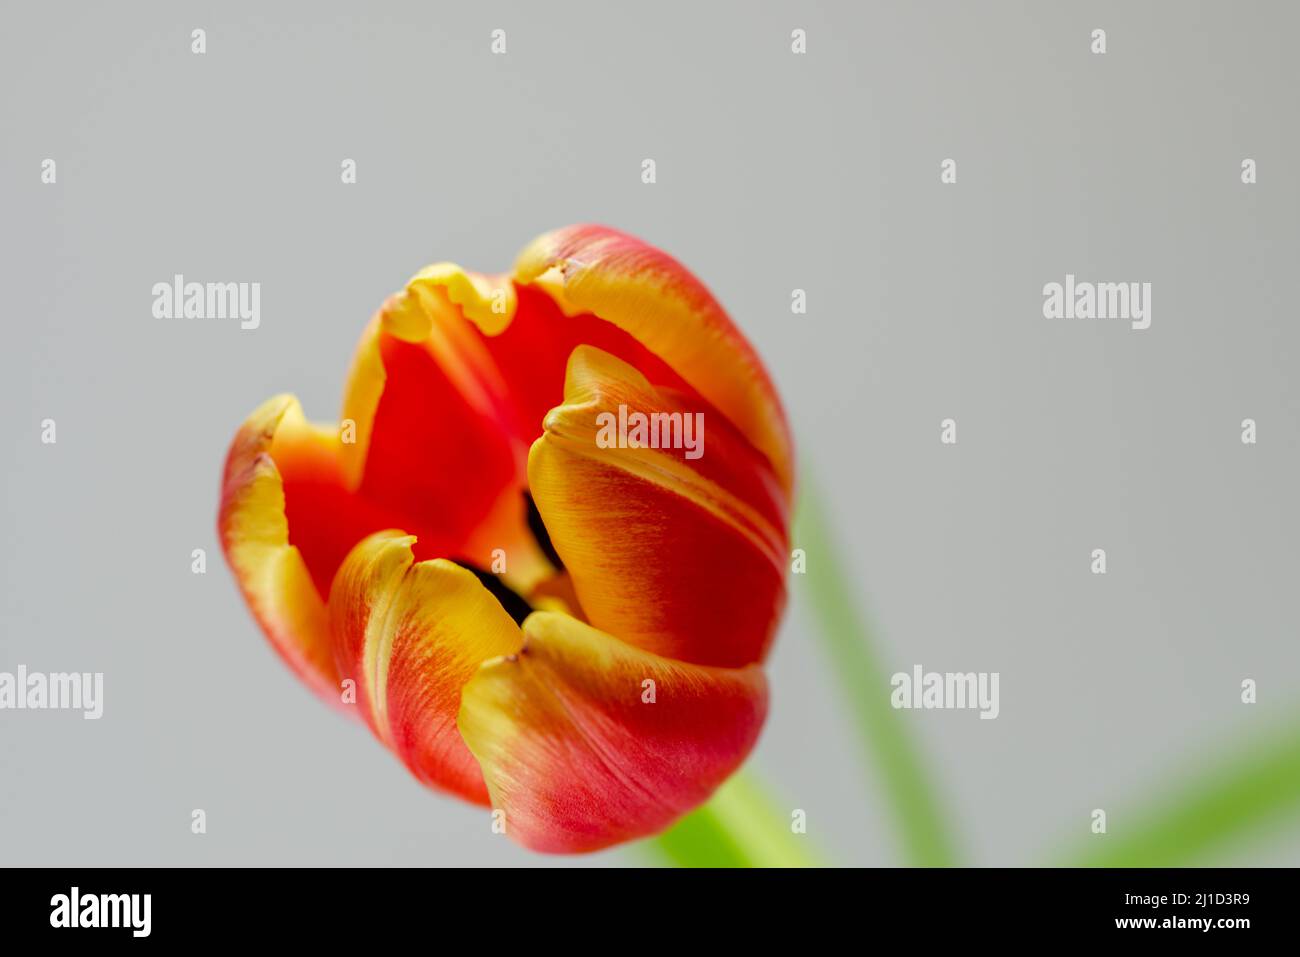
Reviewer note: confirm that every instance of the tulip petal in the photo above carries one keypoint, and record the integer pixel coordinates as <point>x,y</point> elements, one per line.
<point>681,557</point>
<point>254,533</point>
<point>647,293</point>
<point>533,351</point>
<point>308,492</point>
<point>437,312</point>
<point>581,752</point>
<point>411,635</point>
<point>436,447</point>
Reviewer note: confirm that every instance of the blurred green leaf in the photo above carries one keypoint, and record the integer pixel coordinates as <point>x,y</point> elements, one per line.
<point>864,682</point>
<point>738,827</point>
<point>1239,797</point>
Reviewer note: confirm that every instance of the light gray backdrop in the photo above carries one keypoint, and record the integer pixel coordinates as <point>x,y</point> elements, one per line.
<point>775,171</point>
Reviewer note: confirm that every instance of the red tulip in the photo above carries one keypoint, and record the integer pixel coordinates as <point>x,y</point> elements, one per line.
<point>590,664</point>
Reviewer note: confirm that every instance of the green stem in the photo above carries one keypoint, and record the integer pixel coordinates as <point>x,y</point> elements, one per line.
<point>864,682</point>
<point>737,828</point>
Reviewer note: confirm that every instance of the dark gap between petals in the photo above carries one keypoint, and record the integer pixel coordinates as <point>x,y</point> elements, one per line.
<point>507,597</point>
<point>538,528</point>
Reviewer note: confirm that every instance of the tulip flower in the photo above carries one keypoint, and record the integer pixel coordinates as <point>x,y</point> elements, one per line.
<point>567,630</point>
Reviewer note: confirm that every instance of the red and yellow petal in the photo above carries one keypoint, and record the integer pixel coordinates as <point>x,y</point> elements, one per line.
<point>533,351</point>
<point>647,293</point>
<point>577,754</point>
<point>437,313</point>
<point>411,635</point>
<point>276,440</point>
<point>682,557</point>
<point>435,445</point>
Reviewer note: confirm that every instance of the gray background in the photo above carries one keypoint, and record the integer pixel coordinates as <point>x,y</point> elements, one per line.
<point>775,171</point>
